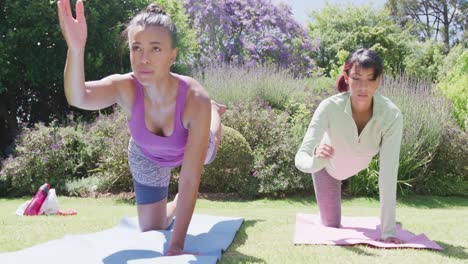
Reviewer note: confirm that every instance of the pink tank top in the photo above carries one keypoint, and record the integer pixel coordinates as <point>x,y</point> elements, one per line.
<point>164,151</point>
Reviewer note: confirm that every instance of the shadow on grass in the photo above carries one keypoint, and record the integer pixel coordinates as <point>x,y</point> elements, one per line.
<point>234,256</point>
<point>125,201</point>
<point>359,249</point>
<point>452,251</point>
<point>419,201</point>
<point>223,197</point>
<point>303,199</point>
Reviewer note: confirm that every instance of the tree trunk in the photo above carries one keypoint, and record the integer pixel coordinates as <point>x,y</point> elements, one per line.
<point>446,31</point>
<point>8,123</point>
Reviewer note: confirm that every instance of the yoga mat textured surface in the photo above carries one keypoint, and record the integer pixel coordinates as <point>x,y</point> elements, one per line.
<point>207,235</point>
<point>354,231</point>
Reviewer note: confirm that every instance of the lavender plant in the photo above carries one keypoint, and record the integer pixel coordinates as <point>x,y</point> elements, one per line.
<point>233,84</point>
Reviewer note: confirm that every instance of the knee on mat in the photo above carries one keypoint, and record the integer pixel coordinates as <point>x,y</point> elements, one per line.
<point>330,223</point>
<point>150,227</point>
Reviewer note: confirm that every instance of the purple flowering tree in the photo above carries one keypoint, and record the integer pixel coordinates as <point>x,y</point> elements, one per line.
<point>251,32</point>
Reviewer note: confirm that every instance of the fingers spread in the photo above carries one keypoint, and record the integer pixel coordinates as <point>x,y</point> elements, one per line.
<point>80,17</point>
<point>61,13</point>
<point>66,10</point>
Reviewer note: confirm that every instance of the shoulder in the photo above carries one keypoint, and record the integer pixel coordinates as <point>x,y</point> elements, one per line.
<point>387,109</point>
<point>337,101</point>
<point>195,92</point>
<point>198,101</point>
<point>120,79</point>
<point>124,84</point>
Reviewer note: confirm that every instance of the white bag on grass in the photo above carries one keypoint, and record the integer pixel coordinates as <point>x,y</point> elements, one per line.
<point>50,205</point>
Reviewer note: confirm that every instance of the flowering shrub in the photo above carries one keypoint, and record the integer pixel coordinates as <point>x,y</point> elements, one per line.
<point>251,32</point>
<point>48,154</point>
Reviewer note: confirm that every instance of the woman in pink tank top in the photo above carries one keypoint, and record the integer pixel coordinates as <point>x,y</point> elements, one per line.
<point>172,120</point>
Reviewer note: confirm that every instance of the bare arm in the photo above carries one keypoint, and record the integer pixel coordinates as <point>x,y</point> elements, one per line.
<point>389,162</point>
<point>192,166</point>
<point>90,95</point>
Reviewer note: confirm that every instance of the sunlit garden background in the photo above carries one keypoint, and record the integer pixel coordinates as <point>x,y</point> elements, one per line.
<point>270,71</point>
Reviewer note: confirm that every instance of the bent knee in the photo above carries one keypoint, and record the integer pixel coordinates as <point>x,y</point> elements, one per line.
<point>331,223</point>
<point>145,227</point>
<point>151,228</point>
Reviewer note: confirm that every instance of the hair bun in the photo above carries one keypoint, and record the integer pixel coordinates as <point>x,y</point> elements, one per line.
<point>154,8</point>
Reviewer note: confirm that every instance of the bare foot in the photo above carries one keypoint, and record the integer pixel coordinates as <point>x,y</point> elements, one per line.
<point>219,107</point>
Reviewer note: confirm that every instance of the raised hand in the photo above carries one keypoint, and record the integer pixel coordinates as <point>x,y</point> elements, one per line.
<point>74,30</point>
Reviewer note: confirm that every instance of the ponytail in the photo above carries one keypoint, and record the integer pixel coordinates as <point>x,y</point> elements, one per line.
<point>341,84</point>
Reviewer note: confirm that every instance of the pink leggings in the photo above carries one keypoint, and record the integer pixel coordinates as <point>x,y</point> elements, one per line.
<point>328,195</point>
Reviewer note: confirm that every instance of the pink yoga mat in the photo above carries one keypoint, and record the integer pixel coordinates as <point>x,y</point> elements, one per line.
<point>354,231</point>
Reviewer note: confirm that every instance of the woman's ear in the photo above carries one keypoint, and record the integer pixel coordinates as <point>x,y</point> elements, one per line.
<point>174,55</point>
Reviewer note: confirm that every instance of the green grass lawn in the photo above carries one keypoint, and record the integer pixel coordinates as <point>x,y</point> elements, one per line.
<point>267,233</point>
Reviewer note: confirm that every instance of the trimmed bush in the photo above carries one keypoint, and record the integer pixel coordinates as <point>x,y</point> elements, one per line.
<point>449,168</point>
<point>232,170</point>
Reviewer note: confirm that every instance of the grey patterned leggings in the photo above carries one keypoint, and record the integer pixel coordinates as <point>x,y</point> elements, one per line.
<point>328,194</point>
<point>151,181</point>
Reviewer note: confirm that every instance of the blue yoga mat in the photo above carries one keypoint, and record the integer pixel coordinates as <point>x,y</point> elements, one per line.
<point>207,235</point>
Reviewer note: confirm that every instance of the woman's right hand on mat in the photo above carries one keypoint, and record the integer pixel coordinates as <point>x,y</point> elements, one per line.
<point>74,30</point>
<point>324,151</point>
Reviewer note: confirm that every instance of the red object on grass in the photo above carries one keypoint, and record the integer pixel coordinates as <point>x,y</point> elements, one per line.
<point>35,205</point>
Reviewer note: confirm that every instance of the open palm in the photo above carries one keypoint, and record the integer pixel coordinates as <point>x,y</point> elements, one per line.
<point>74,30</point>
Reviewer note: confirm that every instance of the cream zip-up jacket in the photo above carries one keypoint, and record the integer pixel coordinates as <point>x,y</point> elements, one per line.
<point>333,124</point>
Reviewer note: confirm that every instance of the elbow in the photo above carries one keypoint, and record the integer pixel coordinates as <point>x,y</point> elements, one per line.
<point>70,101</point>
<point>73,100</point>
<point>298,163</point>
